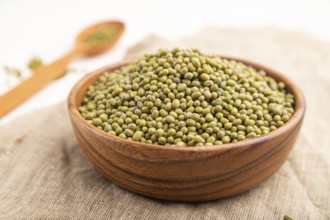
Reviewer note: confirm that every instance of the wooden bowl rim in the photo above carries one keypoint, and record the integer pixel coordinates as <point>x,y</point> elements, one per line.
<point>300,108</point>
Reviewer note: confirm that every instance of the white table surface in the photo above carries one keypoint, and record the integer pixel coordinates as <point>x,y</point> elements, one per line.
<point>47,29</point>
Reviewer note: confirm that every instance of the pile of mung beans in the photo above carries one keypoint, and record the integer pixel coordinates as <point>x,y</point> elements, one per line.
<point>186,98</point>
<point>102,35</point>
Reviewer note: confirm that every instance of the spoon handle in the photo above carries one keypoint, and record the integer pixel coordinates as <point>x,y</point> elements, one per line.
<point>40,78</point>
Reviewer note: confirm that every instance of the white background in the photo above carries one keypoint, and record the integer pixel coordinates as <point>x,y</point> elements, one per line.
<point>47,29</point>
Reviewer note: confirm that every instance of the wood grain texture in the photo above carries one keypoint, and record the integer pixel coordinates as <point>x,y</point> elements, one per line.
<point>186,173</point>
<point>46,74</point>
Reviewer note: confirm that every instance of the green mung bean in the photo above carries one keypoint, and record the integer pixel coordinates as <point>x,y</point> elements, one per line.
<point>102,35</point>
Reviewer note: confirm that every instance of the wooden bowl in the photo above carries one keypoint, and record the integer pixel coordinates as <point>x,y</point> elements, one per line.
<point>185,173</point>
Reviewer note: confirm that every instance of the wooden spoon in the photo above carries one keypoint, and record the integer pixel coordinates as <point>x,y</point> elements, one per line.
<point>45,74</point>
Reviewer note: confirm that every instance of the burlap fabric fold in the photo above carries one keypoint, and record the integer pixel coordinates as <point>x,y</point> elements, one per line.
<point>45,175</point>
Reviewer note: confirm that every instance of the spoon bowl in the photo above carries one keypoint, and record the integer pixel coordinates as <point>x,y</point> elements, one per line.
<point>87,48</point>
